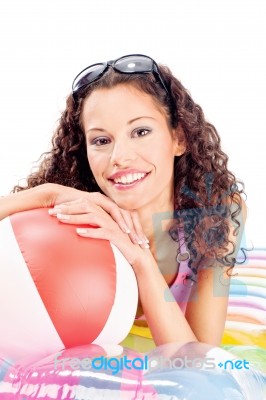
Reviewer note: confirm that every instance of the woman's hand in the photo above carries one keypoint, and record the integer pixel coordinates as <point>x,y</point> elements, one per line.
<point>52,194</point>
<point>121,227</point>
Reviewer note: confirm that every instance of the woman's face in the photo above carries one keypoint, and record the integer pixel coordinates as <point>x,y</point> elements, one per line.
<point>130,147</point>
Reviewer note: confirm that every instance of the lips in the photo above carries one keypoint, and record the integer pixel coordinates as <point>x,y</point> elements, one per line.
<point>129,180</point>
<point>125,173</point>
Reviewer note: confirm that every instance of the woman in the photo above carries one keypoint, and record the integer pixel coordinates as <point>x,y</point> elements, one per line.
<point>134,156</point>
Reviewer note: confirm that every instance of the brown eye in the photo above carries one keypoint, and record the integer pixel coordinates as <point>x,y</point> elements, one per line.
<point>140,132</point>
<point>101,141</point>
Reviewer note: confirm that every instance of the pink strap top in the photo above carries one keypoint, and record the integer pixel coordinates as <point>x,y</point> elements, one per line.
<point>182,285</point>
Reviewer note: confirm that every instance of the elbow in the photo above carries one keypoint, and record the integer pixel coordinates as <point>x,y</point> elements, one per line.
<point>211,341</point>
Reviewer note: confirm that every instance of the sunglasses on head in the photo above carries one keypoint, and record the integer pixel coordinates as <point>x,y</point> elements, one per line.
<point>130,64</point>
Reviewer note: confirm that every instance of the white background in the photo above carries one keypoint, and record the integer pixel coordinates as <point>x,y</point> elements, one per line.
<point>217,49</point>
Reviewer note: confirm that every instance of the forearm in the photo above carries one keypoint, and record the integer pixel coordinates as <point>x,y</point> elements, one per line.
<point>164,316</point>
<point>25,200</point>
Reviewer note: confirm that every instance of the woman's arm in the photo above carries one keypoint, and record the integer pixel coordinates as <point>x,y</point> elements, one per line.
<point>206,311</point>
<point>24,200</point>
<point>46,195</point>
<point>164,316</point>
<point>63,197</point>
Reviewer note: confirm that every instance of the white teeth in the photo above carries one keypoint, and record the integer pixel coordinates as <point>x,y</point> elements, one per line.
<point>130,178</point>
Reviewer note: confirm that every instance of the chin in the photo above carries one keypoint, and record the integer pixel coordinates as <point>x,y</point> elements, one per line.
<point>129,205</point>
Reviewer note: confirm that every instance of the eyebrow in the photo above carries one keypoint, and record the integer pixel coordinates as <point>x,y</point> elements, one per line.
<point>135,119</point>
<point>128,123</point>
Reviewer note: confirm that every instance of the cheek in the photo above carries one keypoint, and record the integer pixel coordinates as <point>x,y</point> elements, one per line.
<point>94,164</point>
<point>98,166</point>
<point>163,154</point>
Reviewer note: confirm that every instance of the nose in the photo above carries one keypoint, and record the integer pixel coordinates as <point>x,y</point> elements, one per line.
<point>122,153</point>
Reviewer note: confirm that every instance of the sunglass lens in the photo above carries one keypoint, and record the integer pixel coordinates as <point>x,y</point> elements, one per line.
<point>88,76</point>
<point>132,64</point>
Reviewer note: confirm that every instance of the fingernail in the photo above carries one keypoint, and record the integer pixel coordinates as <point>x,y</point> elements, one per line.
<point>146,246</point>
<point>81,230</point>
<point>136,239</point>
<point>63,216</point>
<point>126,229</point>
<point>54,211</point>
<point>139,240</point>
<point>146,239</point>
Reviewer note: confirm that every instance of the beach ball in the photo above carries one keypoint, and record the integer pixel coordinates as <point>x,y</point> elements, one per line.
<point>59,290</point>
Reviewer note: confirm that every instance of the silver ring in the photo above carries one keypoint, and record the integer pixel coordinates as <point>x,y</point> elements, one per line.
<point>183,257</point>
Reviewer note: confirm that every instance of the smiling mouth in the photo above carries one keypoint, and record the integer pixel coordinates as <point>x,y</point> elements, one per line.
<point>128,181</point>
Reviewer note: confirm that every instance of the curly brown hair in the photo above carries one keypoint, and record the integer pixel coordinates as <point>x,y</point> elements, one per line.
<point>207,194</point>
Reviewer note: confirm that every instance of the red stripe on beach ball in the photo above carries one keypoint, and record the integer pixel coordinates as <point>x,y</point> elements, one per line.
<point>75,276</point>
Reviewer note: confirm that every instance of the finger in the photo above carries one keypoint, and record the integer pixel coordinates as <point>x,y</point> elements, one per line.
<point>132,232</point>
<point>112,209</point>
<point>82,207</point>
<point>136,234</point>
<point>94,219</point>
<point>84,212</point>
<point>138,227</point>
<point>97,233</point>
<point>92,200</point>
<point>61,208</point>
<point>139,231</point>
<point>69,203</point>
